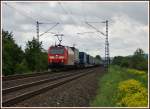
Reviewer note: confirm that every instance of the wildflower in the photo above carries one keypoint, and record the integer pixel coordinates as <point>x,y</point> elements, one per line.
<point>135,72</point>
<point>132,94</point>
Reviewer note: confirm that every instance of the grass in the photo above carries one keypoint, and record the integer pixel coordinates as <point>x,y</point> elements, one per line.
<point>141,76</point>
<point>108,86</point>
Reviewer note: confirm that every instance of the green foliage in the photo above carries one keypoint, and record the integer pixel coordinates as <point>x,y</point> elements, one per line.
<point>138,75</point>
<point>98,57</point>
<point>44,60</point>
<point>139,51</point>
<point>118,60</point>
<point>36,59</point>
<point>107,91</point>
<point>12,54</point>
<point>119,87</point>
<point>122,61</point>
<point>16,61</point>
<point>137,61</point>
<point>136,72</point>
<point>21,67</point>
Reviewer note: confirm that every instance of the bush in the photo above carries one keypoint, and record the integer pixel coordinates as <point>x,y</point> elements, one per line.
<point>107,91</point>
<point>138,75</point>
<point>135,100</point>
<point>21,68</point>
<point>135,72</point>
<point>122,87</point>
<point>138,60</point>
<point>131,93</point>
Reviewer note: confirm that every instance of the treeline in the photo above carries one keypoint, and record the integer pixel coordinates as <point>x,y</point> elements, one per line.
<point>139,60</point>
<point>17,61</point>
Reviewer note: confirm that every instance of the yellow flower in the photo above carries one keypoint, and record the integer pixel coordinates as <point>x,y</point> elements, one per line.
<point>132,94</point>
<point>130,86</point>
<point>136,72</point>
<point>135,100</point>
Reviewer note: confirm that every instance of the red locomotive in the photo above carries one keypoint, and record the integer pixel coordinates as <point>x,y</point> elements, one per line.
<point>60,56</point>
<point>64,56</point>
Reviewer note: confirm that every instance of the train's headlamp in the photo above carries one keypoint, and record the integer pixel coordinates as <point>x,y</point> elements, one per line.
<point>51,57</point>
<point>61,57</point>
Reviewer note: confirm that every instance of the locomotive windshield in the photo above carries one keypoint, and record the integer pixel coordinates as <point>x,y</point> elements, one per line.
<point>57,51</point>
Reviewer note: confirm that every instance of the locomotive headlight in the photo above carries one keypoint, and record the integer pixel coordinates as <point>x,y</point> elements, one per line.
<point>61,57</point>
<point>51,57</point>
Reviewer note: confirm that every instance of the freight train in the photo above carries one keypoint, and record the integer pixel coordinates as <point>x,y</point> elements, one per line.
<point>65,56</point>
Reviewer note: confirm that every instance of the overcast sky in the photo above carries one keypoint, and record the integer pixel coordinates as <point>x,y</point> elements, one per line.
<point>128,24</point>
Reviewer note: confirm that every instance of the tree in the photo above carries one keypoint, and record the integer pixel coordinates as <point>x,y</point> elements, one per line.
<point>138,60</point>
<point>98,57</point>
<point>21,68</point>
<point>12,53</point>
<point>118,60</point>
<point>139,52</point>
<point>126,61</point>
<point>15,61</point>
<point>36,59</point>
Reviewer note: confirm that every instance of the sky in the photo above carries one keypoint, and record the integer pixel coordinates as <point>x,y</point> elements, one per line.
<point>127,24</point>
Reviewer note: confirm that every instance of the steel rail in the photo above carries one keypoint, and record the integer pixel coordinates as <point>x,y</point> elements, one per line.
<point>22,86</point>
<point>54,84</point>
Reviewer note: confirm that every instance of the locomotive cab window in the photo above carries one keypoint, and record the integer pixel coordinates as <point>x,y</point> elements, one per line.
<point>56,51</point>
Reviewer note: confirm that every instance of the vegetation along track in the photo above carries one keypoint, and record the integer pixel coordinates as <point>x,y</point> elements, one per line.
<point>16,94</point>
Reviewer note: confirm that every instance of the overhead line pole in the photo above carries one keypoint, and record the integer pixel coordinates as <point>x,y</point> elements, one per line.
<point>107,56</point>
<point>37,30</point>
<point>29,17</point>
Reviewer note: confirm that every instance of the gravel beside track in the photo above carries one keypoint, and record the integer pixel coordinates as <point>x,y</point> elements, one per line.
<point>15,82</point>
<point>18,76</point>
<point>78,92</point>
<point>37,87</point>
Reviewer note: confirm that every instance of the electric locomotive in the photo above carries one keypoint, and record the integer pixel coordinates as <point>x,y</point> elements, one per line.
<point>62,56</point>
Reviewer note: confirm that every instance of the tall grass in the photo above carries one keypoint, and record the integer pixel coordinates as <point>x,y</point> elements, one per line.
<point>107,93</point>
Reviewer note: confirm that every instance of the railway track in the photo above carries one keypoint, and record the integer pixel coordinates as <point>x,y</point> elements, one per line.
<point>20,81</point>
<point>13,95</point>
<point>21,76</point>
<point>13,77</point>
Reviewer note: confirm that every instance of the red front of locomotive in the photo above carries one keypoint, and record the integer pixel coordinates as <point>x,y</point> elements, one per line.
<point>57,56</point>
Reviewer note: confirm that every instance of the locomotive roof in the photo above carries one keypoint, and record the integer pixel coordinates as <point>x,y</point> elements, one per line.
<point>61,46</point>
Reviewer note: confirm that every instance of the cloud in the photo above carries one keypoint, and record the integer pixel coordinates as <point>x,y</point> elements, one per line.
<point>128,24</point>
<point>127,35</point>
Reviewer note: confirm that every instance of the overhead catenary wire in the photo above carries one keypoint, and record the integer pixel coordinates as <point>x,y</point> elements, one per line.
<point>95,28</point>
<point>85,21</point>
<point>71,17</point>
<point>55,24</point>
<point>107,56</point>
<point>22,13</point>
<point>87,32</point>
<point>68,13</point>
<point>31,18</point>
<point>49,29</point>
